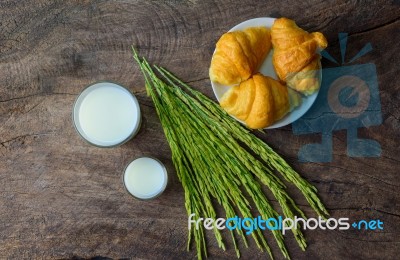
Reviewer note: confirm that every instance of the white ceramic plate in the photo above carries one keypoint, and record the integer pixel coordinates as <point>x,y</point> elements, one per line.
<point>267,69</point>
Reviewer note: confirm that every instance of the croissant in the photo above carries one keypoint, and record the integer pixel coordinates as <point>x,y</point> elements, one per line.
<point>239,54</point>
<point>259,101</point>
<point>295,59</point>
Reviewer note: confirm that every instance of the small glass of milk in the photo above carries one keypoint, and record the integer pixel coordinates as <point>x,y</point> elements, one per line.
<point>106,114</point>
<point>145,178</point>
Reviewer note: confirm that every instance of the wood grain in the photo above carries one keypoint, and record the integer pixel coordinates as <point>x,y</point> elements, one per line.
<point>62,198</point>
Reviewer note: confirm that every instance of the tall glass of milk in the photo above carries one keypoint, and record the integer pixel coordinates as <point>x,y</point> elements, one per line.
<point>106,114</point>
<point>145,178</point>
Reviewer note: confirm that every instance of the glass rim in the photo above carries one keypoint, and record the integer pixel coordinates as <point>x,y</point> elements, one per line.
<point>76,120</point>
<point>164,184</point>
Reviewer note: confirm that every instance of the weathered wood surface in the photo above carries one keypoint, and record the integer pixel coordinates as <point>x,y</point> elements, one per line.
<point>62,198</point>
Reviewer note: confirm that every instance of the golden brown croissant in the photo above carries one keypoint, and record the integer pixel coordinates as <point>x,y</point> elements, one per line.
<point>295,59</point>
<point>259,101</point>
<point>239,54</point>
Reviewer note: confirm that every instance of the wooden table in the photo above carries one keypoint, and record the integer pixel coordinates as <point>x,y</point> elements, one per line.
<point>62,198</point>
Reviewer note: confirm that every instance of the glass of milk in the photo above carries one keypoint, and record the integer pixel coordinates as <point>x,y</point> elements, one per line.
<point>145,178</point>
<point>106,114</point>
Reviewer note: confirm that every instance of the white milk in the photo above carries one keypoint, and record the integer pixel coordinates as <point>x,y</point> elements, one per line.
<point>145,178</point>
<point>106,114</point>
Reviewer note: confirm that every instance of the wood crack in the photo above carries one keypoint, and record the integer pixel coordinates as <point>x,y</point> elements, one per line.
<point>35,95</point>
<point>33,107</point>
<point>348,170</point>
<point>196,80</point>
<point>376,27</point>
<point>365,209</point>
<point>25,136</point>
<point>388,213</point>
<point>391,115</point>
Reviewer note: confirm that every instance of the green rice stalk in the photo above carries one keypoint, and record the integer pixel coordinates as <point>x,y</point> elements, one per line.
<point>211,163</point>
